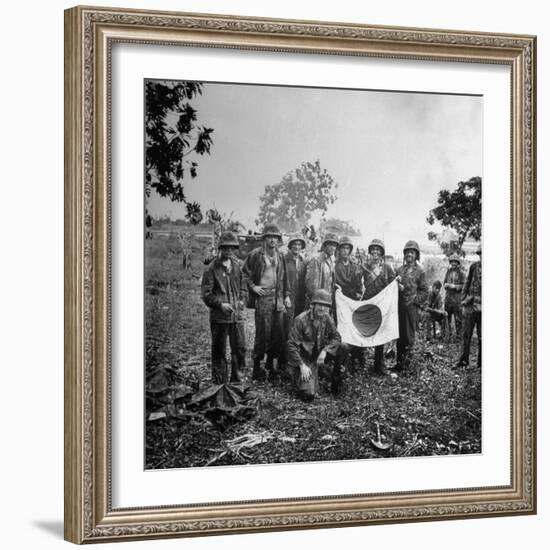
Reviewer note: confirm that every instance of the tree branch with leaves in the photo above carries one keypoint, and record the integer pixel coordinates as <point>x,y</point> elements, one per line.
<point>173,140</point>
<point>459,210</point>
<point>291,202</point>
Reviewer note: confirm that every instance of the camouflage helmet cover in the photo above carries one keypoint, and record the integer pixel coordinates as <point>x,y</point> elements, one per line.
<point>412,245</point>
<point>330,238</point>
<point>228,238</point>
<point>379,243</point>
<point>454,258</point>
<point>345,241</point>
<point>271,230</point>
<point>294,238</point>
<point>321,296</point>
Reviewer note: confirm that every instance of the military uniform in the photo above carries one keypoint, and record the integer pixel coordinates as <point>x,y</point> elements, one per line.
<point>376,277</point>
<point>307,339</point>
<point>319,274</point>
<point>224,282</point>
<point>453,284</point>
<point>435,313</point>
<point>348,277</point>
<point>296,267</point>
<point>260,267</point>
<point>471,298</point>
<point>320,270</point>
<point>411,298</point>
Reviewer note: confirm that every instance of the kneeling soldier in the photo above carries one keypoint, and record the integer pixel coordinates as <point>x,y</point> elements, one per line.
<point>314,339</point>
<point>224,291</point>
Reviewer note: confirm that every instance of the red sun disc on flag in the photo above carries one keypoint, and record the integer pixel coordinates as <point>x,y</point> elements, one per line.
<point>367,319</point>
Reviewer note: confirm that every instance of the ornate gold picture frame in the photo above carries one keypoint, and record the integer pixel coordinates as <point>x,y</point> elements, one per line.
<point>90,35</point>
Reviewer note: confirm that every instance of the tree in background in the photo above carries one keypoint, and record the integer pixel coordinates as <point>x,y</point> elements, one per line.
<point>291,203</point>
<point>460,211</point>
<point>339,227</point>
<point>173,140</point>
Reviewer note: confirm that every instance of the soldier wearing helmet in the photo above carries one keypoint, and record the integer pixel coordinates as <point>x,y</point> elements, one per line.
<point>224,291</point>
<point>471,302</point>
<point>348,278</point>
<point>347,274</point>
<point>413,293</point>
<point>313,343</point>
<point>377,275</point>
<point>269,291</point>
<point>320,269</point>
<point>296,267</point>
<point>453,284</point>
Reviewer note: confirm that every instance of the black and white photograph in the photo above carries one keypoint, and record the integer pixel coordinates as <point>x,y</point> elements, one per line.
<point>313,265</point>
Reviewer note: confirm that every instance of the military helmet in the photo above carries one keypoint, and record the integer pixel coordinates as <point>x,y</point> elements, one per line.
<point>377,242</point>
<point>228,238</point>
<point>294,238</point>
<point>412,245</point>
<point>321,296</point>
<point>345,241</point>
<point>454,258</point>
<point>330,238</point>
<point>478,250</point>
<point>271,230</point>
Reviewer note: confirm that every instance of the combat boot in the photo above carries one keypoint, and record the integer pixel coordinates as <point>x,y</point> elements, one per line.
<point>336,381</point>
<point>259,374</point>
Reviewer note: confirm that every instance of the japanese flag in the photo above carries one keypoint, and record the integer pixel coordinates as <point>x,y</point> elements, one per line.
<point>367,323</point>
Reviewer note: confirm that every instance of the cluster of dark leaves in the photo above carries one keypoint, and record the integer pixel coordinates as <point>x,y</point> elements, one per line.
<point>459,210</point>
<point>180,415</point>
<point>172,134</point>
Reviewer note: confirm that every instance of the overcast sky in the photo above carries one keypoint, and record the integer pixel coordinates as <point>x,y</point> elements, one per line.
<point>390,152</point>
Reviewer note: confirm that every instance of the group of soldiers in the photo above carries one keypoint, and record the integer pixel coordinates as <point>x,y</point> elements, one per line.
<point>293,301</point>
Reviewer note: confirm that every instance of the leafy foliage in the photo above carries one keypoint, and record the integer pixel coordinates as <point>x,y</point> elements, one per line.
<point>291,202</point>
<point>459,210</point>
<point>171,135</point>
<point>339,227</point>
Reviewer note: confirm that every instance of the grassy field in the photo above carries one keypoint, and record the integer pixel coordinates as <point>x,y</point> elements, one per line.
<point>432,411</point>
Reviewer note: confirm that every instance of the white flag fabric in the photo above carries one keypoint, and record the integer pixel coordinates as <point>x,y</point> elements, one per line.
<point>367,323</point>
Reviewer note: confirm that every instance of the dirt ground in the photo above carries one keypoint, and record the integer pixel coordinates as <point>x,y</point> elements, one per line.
<point>432,410</point>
